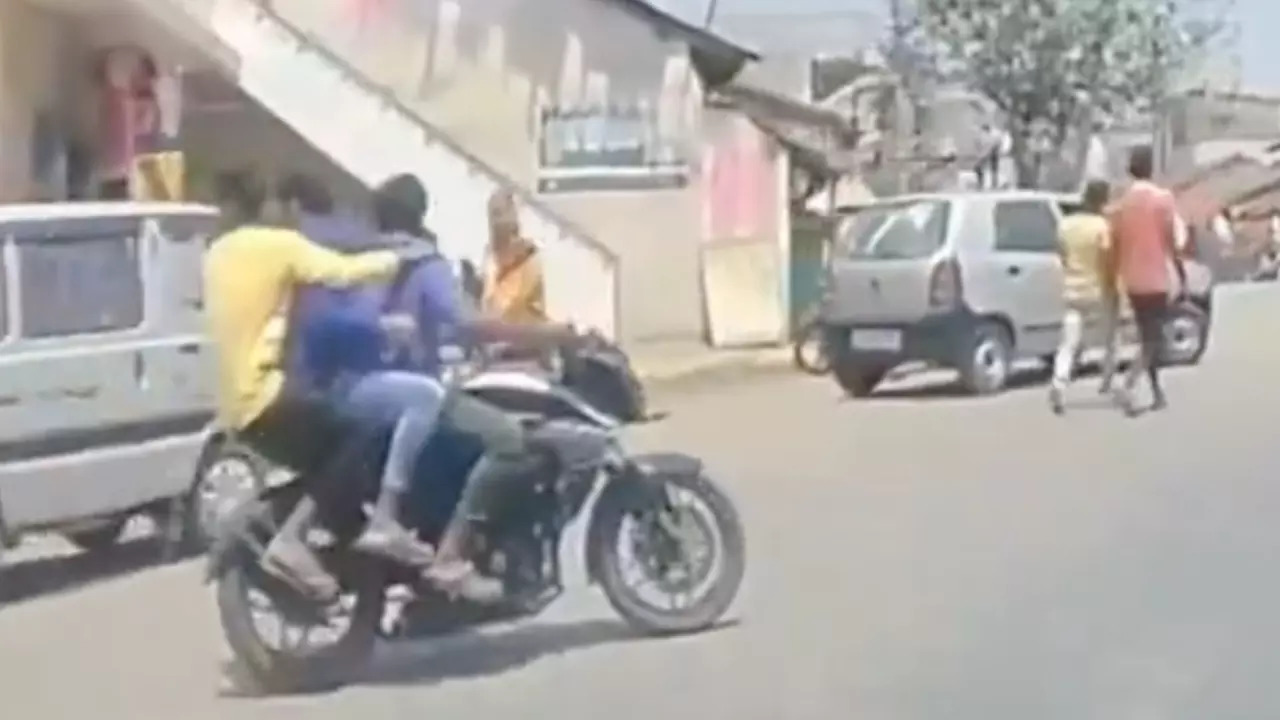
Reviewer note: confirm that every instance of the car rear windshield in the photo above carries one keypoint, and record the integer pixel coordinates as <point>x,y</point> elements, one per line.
<point>901,231</point>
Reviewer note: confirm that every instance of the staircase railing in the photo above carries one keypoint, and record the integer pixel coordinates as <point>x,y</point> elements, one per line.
<point>330,30</point>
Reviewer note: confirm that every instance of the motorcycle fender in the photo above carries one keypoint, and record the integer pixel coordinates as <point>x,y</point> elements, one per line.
<point>639,486</point>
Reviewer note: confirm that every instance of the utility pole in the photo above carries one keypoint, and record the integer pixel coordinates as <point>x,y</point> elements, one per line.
<point>904,98</point>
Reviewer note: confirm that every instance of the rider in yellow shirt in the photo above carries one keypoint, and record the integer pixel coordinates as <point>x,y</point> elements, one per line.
<point>251,275</point>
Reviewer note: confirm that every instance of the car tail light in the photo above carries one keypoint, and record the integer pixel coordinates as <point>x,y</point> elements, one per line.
<point>945,286</point>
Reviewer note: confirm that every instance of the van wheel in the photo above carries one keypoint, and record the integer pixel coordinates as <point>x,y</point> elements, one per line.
<point>984,364</point>
<point>100,538</point>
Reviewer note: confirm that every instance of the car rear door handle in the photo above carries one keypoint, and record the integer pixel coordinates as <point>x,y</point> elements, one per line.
<point>1014,270</point>
<point>189,348</point>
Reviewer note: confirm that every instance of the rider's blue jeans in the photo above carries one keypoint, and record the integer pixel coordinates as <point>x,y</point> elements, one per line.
<point>409,400</point>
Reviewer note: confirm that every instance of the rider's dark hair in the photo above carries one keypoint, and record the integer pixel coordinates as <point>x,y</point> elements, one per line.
<point>242,193</point>
<point>306,190</point>
<point>1141,162</point>
<point>399,205</point>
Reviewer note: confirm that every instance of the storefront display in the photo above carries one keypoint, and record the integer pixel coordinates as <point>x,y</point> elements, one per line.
<point>139,124</point>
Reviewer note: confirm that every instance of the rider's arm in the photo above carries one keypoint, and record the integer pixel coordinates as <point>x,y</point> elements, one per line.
<point>440,296</point>
<point>316,264</point>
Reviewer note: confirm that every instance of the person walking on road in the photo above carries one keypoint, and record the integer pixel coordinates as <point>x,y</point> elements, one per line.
<point>1084,246</point>
<point>1144,238</point>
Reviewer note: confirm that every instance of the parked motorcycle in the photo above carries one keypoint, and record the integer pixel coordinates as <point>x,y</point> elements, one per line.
<point>808,346</point>
<point>658,525</point>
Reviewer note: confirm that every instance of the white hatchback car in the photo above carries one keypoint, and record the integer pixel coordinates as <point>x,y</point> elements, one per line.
<point>970,281</point>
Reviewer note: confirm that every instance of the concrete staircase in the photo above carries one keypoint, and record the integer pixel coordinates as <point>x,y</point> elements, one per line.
<point>355,113</point>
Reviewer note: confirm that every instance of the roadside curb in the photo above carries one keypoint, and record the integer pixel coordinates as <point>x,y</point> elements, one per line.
<point>715,365</point>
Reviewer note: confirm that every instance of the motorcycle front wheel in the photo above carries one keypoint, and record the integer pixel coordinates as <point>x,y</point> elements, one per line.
<point>691,551</point>
<point>313,646</point>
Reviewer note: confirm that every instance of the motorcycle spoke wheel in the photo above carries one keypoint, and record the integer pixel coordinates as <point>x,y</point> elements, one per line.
<point>669,556</point>
<point>298,632</point>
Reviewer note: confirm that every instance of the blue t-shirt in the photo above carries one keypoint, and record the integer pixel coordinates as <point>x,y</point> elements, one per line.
<point>433,297</point>
<point>337,332</point>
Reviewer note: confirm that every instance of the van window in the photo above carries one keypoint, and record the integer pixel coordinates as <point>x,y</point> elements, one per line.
<point>1026,226</point>
<point>900,231</point>
<point>80,284</point>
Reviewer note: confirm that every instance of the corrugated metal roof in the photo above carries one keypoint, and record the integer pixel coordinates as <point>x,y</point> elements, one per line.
<point>692,31</point>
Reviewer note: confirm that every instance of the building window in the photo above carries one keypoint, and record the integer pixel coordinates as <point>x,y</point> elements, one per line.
<point>615,147</point>
<point>79,285</point>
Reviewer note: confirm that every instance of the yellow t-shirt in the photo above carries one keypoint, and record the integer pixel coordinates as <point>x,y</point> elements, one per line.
<point>250,275</point>
<point>1085,240</point>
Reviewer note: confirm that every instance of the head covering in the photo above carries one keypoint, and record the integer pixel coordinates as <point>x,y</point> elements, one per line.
<point>502,208</point>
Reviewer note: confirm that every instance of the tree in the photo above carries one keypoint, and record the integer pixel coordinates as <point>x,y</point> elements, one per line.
<point>1051,65</point>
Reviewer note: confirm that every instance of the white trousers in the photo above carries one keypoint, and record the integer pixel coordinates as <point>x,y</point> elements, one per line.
<point>1077,323</point>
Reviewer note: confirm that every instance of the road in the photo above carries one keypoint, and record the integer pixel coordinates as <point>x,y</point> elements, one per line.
<point>912,556</point>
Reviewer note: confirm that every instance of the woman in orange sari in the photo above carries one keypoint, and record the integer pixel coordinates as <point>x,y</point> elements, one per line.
<point>513,289</point>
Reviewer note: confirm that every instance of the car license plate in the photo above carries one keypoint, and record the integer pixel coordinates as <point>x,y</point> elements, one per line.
<point>886,340</point>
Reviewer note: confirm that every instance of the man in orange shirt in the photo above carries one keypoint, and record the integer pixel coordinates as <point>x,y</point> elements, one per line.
<point>1144,241</point>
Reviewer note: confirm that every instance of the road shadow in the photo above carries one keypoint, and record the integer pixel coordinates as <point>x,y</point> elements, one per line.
<point>951,388</point>
<point>471,654</point>
<point>28,580</point>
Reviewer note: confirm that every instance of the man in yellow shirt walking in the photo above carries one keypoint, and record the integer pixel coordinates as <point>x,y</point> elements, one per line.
<point>251,275</point>
<point>1084,246</point>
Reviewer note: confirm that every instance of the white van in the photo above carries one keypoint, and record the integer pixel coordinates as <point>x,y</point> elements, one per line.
<point>106,384</point>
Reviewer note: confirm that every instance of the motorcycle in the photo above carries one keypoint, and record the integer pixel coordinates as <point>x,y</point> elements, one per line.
<point>808,345</point>
<point>659,512</point>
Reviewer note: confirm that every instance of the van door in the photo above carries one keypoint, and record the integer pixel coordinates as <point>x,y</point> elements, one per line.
<point>182,358</point>
<point>1028,272</point>
<point>75,374</point>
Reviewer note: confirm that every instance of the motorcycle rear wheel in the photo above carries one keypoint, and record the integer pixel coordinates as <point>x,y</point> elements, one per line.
<point>276,671</point>
<point>725,576</point>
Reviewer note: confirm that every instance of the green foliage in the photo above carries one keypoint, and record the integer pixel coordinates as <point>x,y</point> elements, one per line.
<point>1051,64</point>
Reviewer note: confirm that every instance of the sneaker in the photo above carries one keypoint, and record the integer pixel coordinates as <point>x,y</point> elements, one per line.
<point>293,562</point>
<point>1123,399</point>
<point>395,543</point>
<point>1055,401</point>
<point>460,579</point>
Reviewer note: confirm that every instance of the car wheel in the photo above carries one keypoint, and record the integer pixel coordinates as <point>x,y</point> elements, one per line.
<point>1186,335</point>
<point>984,365</point>
<point>856,380</point>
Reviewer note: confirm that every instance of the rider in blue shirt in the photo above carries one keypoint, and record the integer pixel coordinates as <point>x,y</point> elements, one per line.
<point>344,339</point>
<point>336,342</point>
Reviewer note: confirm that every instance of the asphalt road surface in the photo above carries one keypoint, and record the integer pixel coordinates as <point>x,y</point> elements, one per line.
<point>914,555</point>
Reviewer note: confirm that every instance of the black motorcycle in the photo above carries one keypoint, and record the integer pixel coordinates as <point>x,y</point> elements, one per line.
<point>658,525</point>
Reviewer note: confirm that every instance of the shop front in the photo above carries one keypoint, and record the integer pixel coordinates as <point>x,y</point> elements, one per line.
<point>90,102</point>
